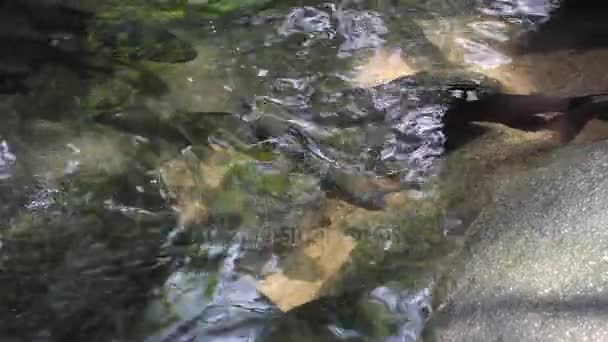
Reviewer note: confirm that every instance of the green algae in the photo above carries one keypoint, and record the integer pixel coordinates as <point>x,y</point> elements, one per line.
<point>375,320</point>
<point>252,176</point>
<point>109,94</point>
<point>471,174</point>
<point>211,285</point>
<point>133,40</point>
<point>159,13</point>
<point>221,8</point>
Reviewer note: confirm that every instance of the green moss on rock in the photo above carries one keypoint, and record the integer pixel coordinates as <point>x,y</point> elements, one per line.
<point>218,8</point>
<point>376,320</point>
<point>254,177</point>
<point>109,94</point>
<point>132,39</point>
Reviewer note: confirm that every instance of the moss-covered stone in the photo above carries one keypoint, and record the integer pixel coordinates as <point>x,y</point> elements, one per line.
<point>219,8</point>
<point>403,246</point>
<point>157,12</point>
<point>133,40</point>
<point>227,202</point>
<point>211,285</point>
<point>64,260</point>
<point>109,94</point>
<point>469,175</point>
<point>257,177</point>
<point>376,320</point>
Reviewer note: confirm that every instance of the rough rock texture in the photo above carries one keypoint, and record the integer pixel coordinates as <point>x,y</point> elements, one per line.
<point>536,265</point>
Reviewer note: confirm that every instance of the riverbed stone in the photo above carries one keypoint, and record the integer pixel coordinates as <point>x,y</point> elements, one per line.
<point>535,265</point>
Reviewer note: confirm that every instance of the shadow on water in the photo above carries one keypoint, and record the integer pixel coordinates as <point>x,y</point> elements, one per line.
<point>513,309</point>
<point>32,37</point>
<point>581,305</point>
<point>574,25</point>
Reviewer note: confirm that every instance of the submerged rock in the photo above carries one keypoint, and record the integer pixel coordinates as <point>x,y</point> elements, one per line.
<point>308,271</point>
<point>360,30</point>
<point>74,272</point>
<point>307,20</point>
<point>356,30</point>
<point>534,266</point>
<point>387,313</point>
<point>213,8</point>
<point>81,230</point>
<point>136,40</point>
<point>395,314</point>
<point>213,304</point>
<point>407,114</point>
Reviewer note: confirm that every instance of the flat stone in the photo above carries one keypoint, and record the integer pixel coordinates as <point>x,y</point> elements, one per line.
<point>327,253</point>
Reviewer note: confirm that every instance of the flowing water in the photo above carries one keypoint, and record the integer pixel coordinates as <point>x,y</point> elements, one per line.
<point>177,196</point>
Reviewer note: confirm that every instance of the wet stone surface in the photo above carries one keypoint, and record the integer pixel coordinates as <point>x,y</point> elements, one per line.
<point>534,267</point>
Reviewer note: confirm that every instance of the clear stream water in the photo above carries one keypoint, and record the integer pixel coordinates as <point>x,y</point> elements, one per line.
<point>146,205</point>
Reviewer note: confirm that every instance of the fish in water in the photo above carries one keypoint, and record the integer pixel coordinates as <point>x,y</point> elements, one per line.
<point>565,115</point>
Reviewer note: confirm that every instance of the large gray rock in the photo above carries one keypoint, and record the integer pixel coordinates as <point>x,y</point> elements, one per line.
<point>535,267</point>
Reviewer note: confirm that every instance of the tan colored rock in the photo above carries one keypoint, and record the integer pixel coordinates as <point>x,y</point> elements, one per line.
<point>192,182</point>
<point>327,253</point>
<point>383,67</point>
<point>595,130</point>
<point>192,211</point>
<point>545,73</point>
<point>289,293</point>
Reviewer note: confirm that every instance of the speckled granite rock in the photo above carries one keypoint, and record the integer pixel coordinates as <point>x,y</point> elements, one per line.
<point>535,267</point>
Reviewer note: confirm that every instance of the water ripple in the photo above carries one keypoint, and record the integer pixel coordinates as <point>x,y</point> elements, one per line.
<point>360,29</point>
<point>7,160</point>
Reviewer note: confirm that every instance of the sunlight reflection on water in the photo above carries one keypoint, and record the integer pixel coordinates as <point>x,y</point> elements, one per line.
<point>7,160</point>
